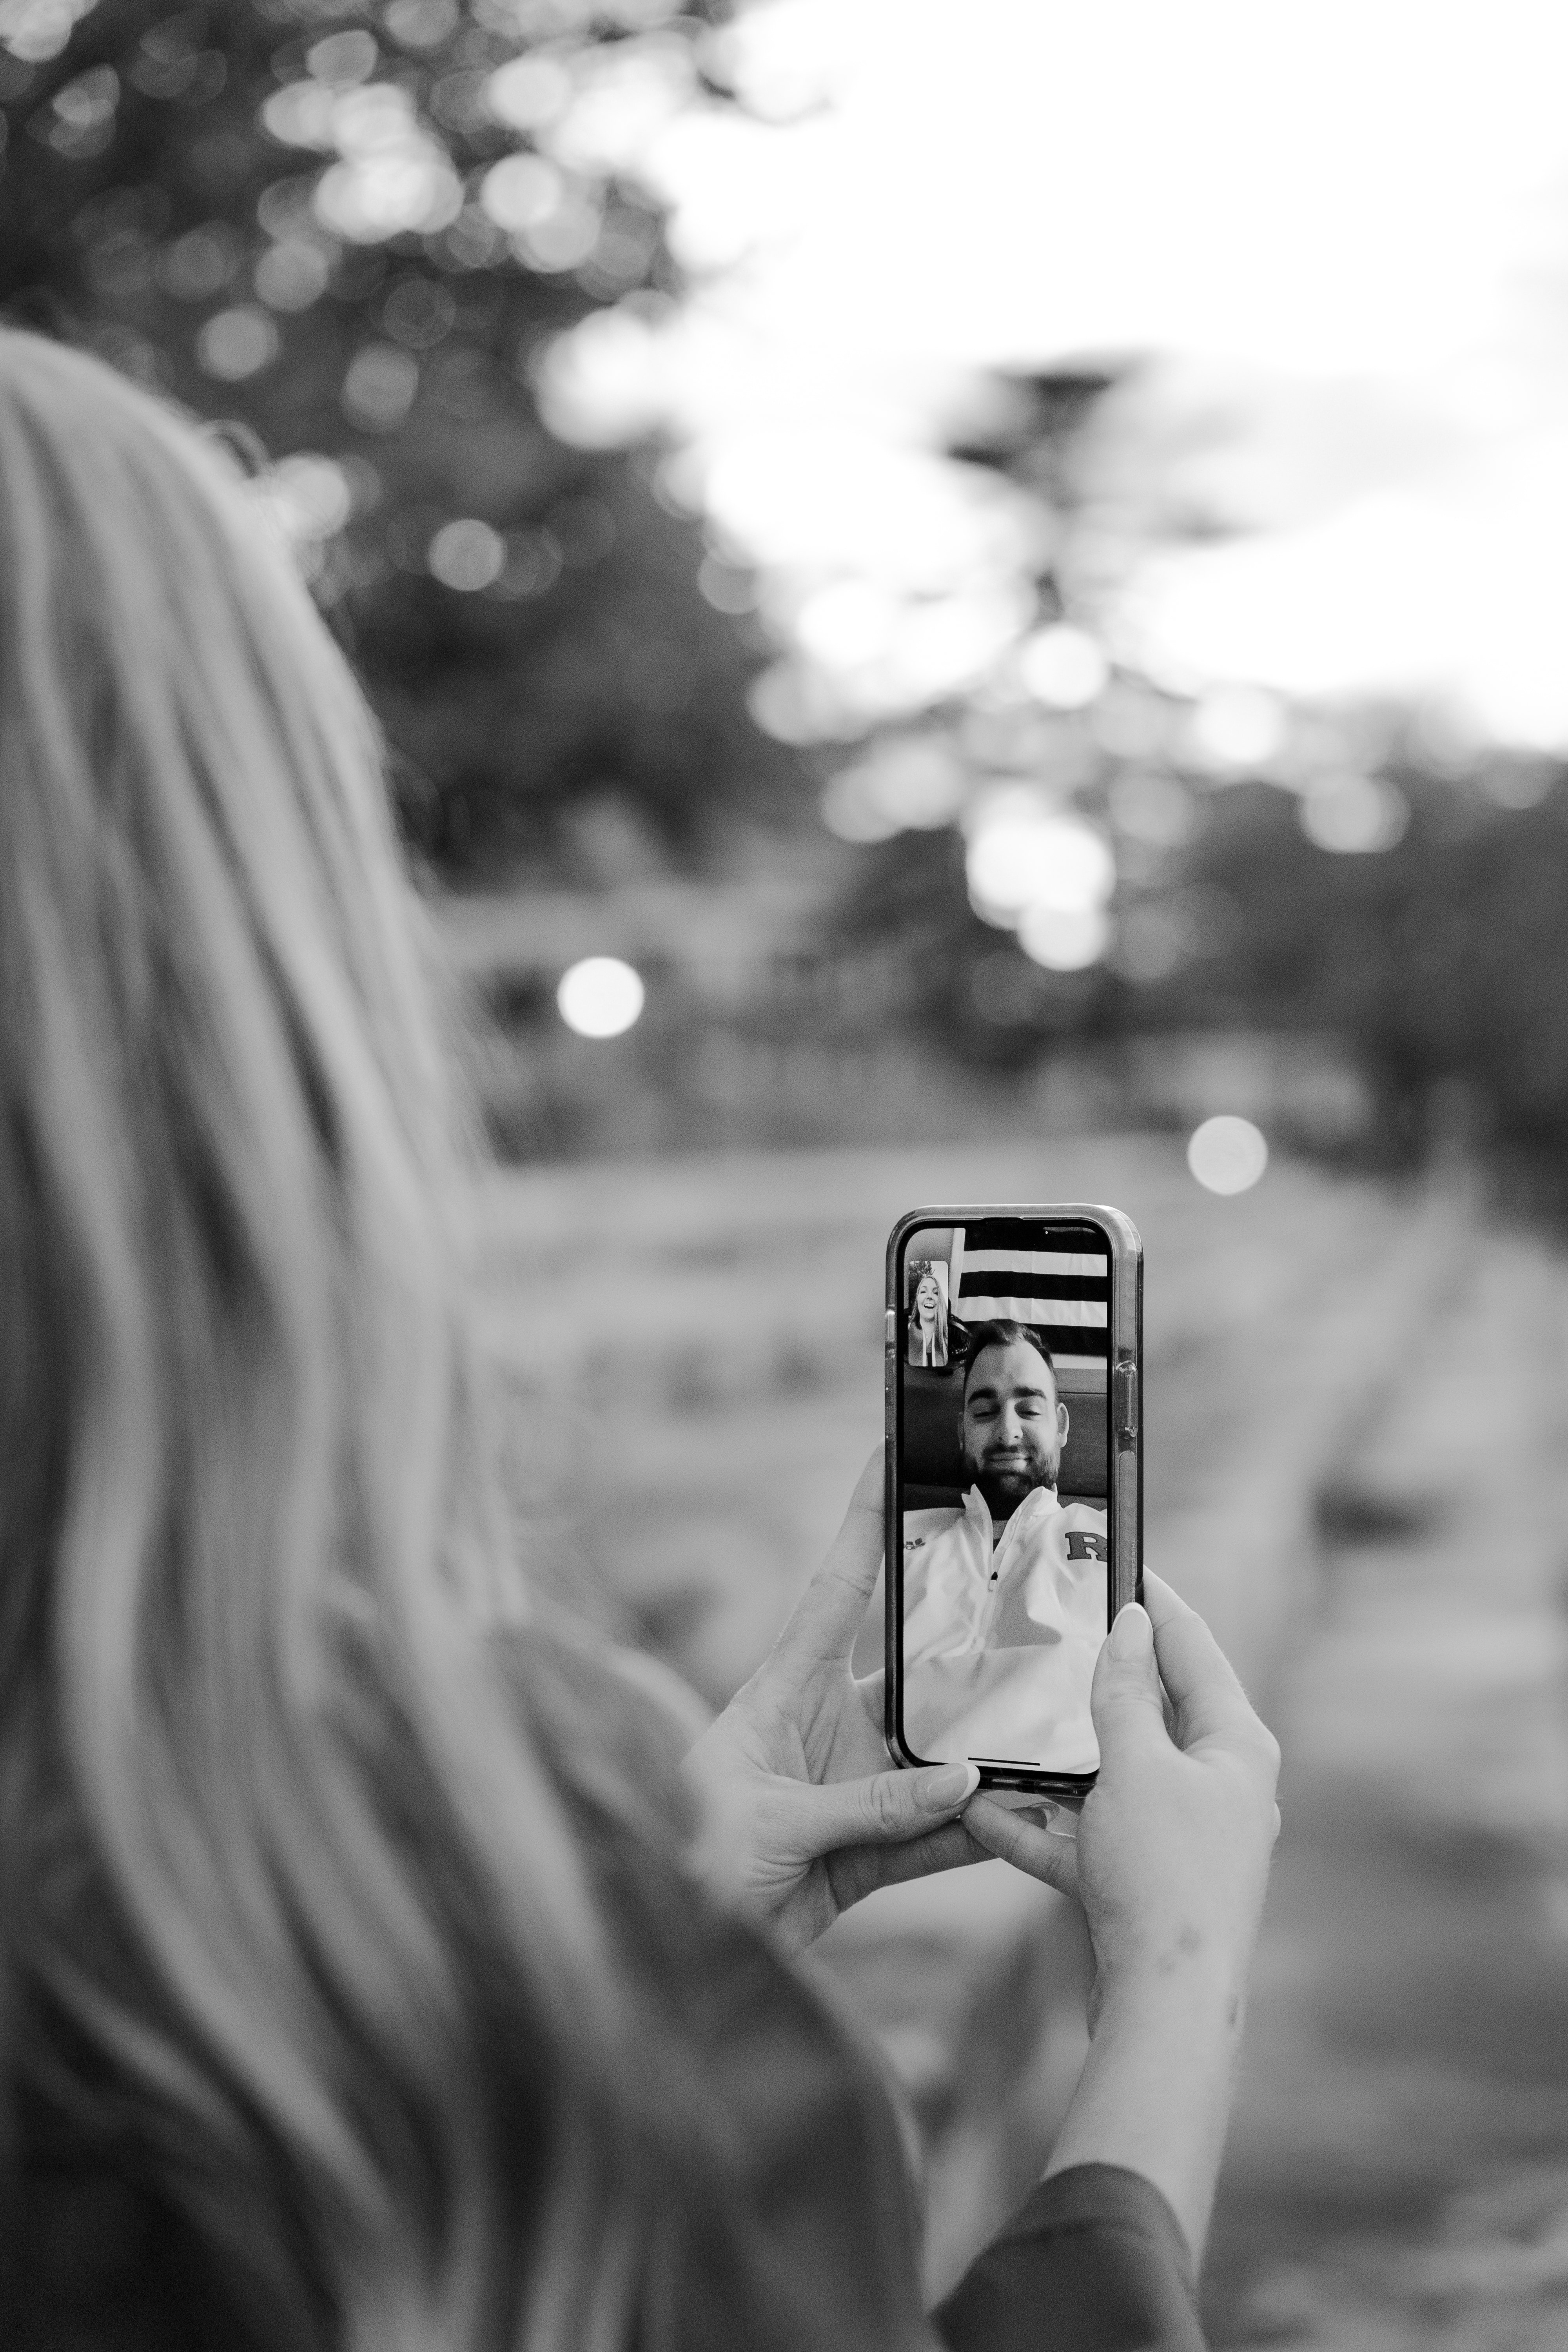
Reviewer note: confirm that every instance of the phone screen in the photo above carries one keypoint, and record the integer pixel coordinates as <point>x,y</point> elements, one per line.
<point>1002,1487</point>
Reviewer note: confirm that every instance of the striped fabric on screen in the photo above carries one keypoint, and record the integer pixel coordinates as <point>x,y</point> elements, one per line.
<point>1006,1276</point>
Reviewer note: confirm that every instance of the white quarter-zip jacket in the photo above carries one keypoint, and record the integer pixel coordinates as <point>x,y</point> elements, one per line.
<point>1001,1637</point>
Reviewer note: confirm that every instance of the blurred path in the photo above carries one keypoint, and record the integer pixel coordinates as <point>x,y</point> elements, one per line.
<point>1398,2172</point>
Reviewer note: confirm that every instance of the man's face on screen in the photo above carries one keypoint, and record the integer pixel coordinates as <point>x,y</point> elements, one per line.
<point>1014,1427</point>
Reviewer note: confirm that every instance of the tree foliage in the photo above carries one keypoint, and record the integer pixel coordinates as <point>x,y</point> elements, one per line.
<point>285,212</point>
<point>1436,959</point>
<point>1444,960</point>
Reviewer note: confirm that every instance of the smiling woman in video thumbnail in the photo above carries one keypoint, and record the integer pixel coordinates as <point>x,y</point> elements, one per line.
<point>928,1311</point>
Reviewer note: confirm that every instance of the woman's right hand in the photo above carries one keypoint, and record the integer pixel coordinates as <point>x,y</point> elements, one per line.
<point>1170,1863</point>
<point>1172,1852</point>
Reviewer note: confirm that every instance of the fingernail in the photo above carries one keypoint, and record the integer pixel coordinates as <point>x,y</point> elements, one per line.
<point>1132,1636</point>
<point>949,1787</point>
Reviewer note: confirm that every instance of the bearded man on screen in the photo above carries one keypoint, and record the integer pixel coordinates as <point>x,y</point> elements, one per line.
<point>1005,1593</point>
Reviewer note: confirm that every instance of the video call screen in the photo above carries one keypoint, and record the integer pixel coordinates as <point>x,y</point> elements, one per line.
<point>1003,1489</point>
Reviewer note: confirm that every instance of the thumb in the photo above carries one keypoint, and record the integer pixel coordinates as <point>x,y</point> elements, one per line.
<point>886,1809</point>
<point>1125,1699</point>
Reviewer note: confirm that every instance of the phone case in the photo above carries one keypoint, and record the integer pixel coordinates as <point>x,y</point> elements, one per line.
<point>1125,1495</point>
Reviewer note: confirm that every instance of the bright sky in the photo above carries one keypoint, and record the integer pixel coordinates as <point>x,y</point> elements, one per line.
<point>1339,187</point>
<point>1340,232</point>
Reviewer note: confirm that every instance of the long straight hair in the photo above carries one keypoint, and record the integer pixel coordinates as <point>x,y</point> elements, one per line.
<point>299,1892</point>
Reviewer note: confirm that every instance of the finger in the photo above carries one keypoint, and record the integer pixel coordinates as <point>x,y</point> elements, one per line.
<point>885,1810</point>
<point>1014,1838</point>
<point>1124,1698</point>
<point>1163,1599</point>
<point>860,1870</point>
<point>830,1611</point>
<point>1209,1700</point>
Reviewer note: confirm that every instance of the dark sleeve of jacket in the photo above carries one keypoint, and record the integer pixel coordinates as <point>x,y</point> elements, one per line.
<point>1096,2262</point>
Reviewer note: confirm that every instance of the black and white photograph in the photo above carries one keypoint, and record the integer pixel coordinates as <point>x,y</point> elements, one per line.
<point>783,1176</point>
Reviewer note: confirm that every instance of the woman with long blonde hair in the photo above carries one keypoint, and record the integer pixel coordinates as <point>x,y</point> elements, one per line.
<point>374,1971</point>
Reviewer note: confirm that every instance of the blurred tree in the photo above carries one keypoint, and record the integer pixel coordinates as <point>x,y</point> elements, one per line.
<point>350,229</point>
<point>927,967</point>
<point>1443,959</point>
<point>1435,952</point>
<point>1031,441</point>
<point>934,968</point>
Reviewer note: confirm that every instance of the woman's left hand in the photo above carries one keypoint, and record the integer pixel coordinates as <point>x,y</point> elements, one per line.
<point>801,1813</point>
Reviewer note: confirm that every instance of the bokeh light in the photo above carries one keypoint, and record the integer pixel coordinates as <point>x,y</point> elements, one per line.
<point>376,196</point>
<point>379,387</point>
<point>393,176</point>
<point>300,114</point>
<point>729,587</point>
<point>1023,853</point>
<point>200,264</point>
<point>600,997</point>
<point>343,57</point>
<point>237,343</point>
<point>306,498</point>
<point>1235,729</point>
<point>772,60</point>
<point>795,704</point>
<point>566,238</point>
<point>467,555</point>
<point>531,565</point>
<point>1354,814</point>
<point>853,813</point>
<point>420,24</point>
<point>846,624</point>
<point>520,190</point>
<point>1063,667</point>
<point>912,783</point>
<point>1227,1154</point>
<point>35,30</point>
<point>601,382</point>
<point>291,274</point>
<point>529,93</point>
<point>627,94</point>
<point>1064,939</point>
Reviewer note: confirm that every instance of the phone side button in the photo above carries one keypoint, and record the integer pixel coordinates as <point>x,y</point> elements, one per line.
<point>890,1328</point>
<point>1124,1394</point>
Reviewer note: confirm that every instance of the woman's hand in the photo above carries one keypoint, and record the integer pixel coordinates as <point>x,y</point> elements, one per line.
<point>1174,1840</point>
<point>801,1813</point>
<point>1170,1863</point>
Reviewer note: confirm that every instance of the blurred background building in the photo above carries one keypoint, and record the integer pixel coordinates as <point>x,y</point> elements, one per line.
<point>968,600</point>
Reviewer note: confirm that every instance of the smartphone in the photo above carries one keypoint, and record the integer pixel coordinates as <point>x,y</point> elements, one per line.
<point>1014,1455</point>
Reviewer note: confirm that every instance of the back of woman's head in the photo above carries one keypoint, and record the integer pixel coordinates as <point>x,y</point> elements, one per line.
<point>300,1906</point>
